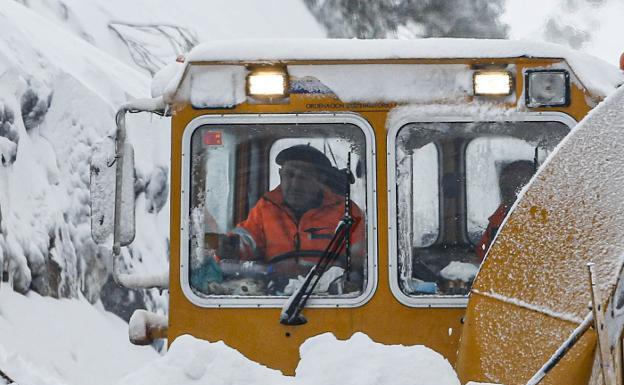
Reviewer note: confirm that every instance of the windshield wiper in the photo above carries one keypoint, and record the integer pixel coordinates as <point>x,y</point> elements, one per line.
<point>291,311</point>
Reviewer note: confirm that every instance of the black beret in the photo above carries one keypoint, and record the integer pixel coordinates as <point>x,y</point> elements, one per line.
<point>304,153</point>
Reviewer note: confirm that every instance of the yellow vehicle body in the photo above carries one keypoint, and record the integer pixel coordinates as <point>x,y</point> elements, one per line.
<point>257,333</point>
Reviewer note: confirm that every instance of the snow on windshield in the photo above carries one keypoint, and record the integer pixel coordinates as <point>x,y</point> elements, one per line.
<point>325,360</point>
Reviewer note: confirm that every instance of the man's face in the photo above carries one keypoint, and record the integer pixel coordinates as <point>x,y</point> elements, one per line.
<point>301,184</point>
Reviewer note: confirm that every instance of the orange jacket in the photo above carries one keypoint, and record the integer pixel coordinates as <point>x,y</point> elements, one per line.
<point>495,221</point>
<point>271,228</point>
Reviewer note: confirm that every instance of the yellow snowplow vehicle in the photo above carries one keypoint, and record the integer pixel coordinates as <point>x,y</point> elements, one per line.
<point>355,186</point>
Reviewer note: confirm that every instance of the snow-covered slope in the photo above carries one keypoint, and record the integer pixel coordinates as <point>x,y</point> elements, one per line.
<point>49,341</point>
<point>149,32</point>
<point>58,98</point>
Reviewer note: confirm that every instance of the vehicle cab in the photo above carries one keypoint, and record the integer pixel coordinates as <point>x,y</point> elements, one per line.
<point>416,135</point>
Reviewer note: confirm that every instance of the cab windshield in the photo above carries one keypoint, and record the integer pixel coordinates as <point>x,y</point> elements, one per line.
<point>265,200</point>
<point>455,183</point>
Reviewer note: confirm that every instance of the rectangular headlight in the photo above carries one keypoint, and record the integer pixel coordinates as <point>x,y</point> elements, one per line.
<point>547,88</point>
<point>492,83</point>
<point>267,83</point>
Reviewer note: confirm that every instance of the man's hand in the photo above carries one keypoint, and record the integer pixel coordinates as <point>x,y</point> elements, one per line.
<point>225,245</point>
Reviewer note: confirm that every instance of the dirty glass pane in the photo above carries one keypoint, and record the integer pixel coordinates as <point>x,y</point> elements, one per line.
<point>452,177</point>
<point>485,159</point>
<point>265,200</point>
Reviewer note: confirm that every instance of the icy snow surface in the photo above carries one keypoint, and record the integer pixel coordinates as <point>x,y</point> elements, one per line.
<point>324,361</point>
<point>49,341</point>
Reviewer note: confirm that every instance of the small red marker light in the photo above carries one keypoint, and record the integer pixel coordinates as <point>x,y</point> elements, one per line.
<point>213,138</point>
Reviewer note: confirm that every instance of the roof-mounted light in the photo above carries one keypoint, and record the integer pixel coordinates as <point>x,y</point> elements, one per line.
<point>547,88</point>
<point>267,83</point>
<point>492,83</point>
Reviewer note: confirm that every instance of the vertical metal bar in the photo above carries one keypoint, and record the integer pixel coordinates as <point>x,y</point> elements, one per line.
<point>348,215</point>
<point>606,362</point>
<point>411,205</point>
<point>120,144</point>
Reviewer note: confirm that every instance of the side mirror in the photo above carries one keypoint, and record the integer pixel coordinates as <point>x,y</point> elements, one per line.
<point>102,188</point>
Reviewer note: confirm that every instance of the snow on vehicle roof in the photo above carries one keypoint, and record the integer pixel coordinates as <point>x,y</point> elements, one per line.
<point>352,49</point>
<point>597,75</point>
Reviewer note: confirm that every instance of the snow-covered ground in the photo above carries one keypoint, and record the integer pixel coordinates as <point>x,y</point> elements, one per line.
<point>69,341</point>
<point>324,361</point>
<point>46,341</point>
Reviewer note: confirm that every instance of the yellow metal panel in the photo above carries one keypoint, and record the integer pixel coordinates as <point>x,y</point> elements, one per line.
<point>515,342</point>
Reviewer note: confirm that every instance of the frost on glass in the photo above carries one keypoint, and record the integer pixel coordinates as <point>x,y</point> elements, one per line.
<point>232,168</point>
<point>447,186</point>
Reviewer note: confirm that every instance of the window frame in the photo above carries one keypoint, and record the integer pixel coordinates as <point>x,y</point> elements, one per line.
<point>442,301</point>
<point>371,210</point>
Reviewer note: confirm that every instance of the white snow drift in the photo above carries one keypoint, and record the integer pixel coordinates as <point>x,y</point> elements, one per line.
<point>324,361</point>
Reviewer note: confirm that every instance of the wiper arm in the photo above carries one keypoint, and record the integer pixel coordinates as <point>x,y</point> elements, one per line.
<point>291,311</point>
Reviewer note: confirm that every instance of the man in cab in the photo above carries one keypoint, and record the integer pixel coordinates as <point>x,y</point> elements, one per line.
<point>290,226</point>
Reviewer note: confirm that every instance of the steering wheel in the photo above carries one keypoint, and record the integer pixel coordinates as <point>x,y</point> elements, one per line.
<point>281,278</point>
<point>292,254</point>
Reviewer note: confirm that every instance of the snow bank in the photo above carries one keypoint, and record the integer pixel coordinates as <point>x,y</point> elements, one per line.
<point>361,361</point>
<point>50,341</point>
<point>324,361</point>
